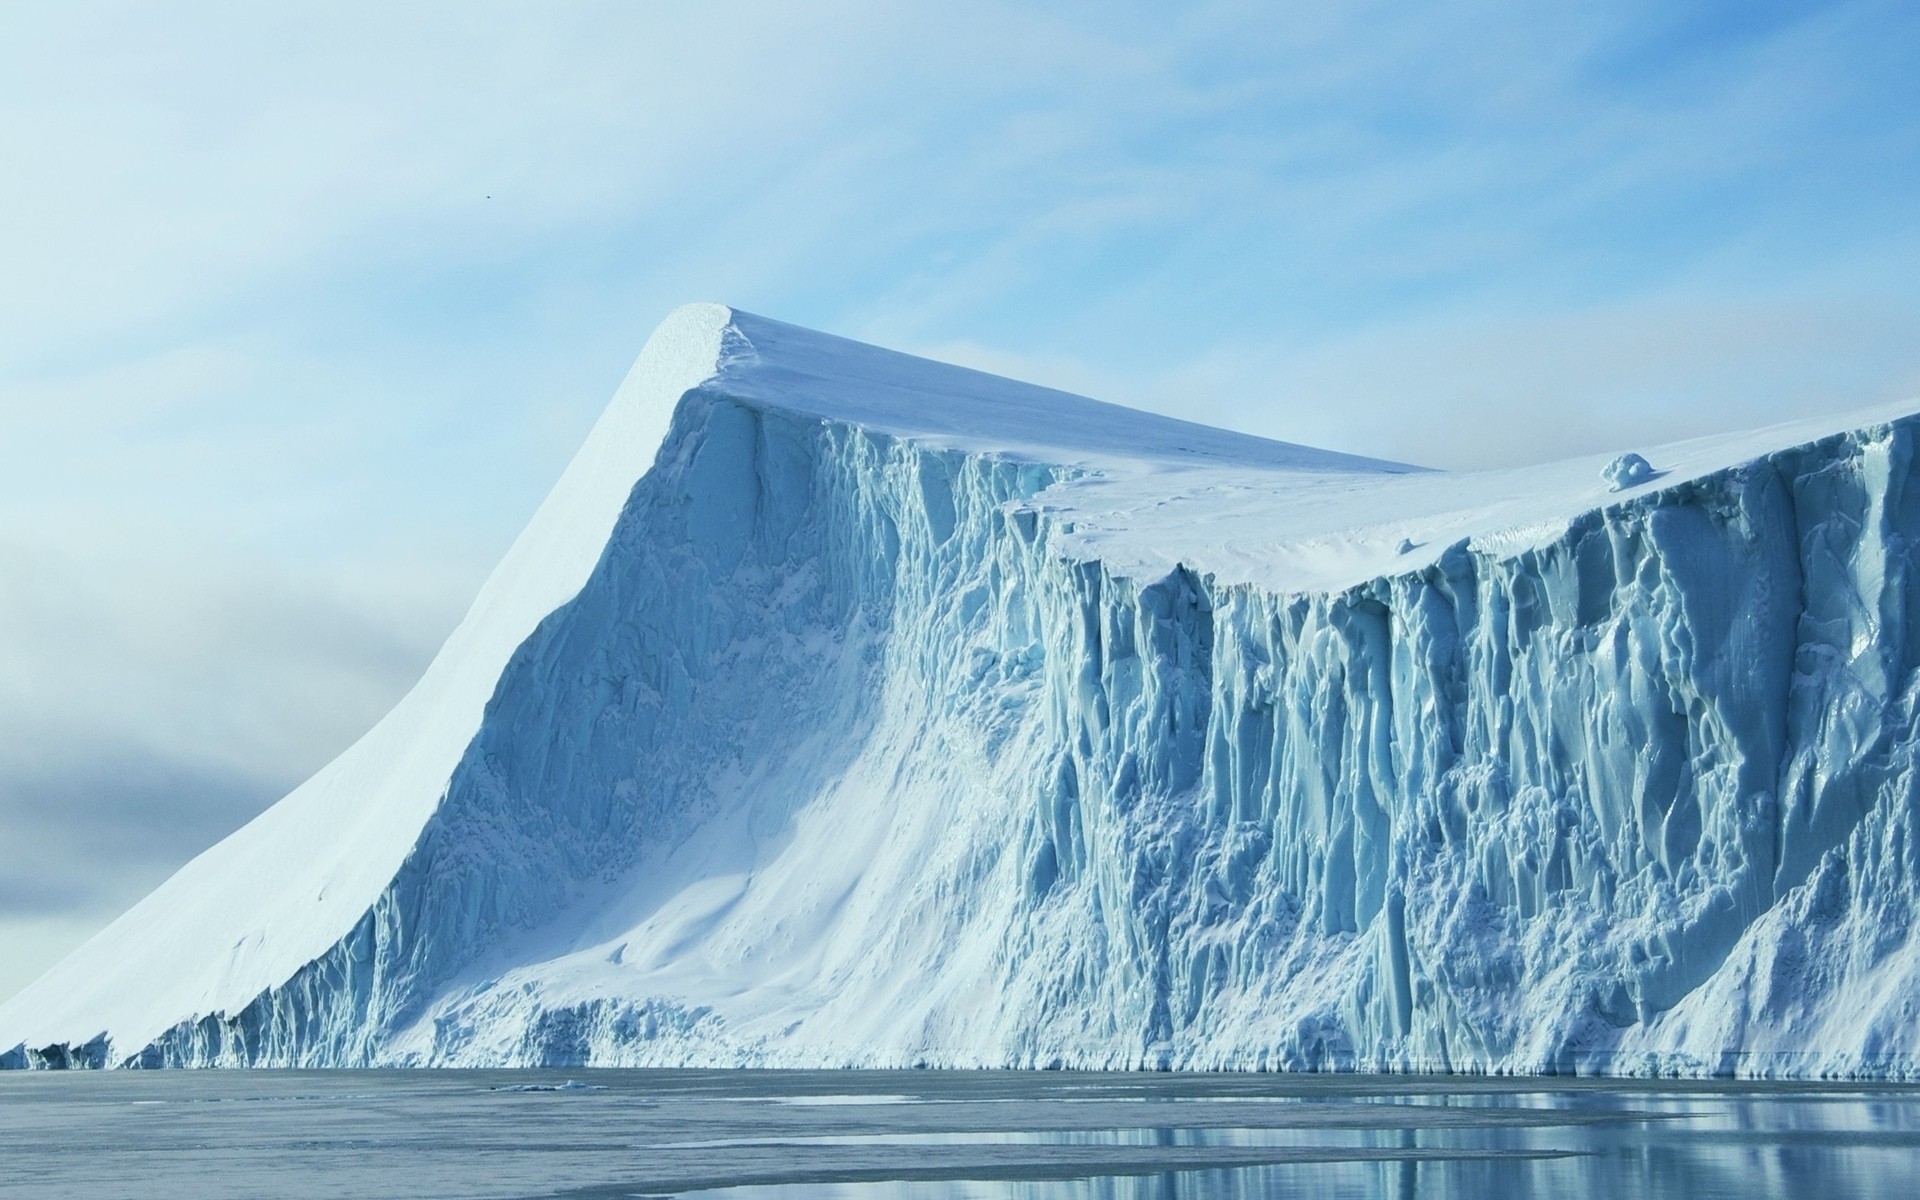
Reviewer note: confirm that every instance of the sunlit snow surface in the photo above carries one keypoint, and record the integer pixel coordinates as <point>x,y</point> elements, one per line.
<point>744,1135</point>
<point>842,708</point>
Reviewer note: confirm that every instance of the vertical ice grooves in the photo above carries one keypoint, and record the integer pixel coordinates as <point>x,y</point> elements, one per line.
<point>1639,799</point>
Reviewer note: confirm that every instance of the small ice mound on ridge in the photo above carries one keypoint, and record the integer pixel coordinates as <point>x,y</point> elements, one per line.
<point>1628,470</point>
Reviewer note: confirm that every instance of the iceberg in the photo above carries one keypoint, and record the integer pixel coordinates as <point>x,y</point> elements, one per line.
<point>840,707</point>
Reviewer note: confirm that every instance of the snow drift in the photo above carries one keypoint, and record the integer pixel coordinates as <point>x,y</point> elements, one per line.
<point>841,707</point>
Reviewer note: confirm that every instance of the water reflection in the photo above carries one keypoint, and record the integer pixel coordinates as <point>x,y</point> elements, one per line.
<point>942,1136</point>
<point>1699,1142</point>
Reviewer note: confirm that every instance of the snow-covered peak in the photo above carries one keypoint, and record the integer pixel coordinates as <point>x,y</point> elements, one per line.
<point>785,367</point>
<point>1144,493</point>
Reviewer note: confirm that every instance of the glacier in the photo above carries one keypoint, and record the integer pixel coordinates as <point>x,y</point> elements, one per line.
<point>841,707</point>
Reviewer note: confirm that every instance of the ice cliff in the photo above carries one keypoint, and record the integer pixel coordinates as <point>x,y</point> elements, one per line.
<point>841,707</point>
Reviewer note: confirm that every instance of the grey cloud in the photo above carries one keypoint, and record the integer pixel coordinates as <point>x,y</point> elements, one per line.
<point>98,832</point>
<point>31,891</point>
<point>155,698</point>
<point>204,655</point>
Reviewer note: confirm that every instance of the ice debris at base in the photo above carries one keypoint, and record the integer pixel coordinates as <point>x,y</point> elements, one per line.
<point>1628,470</point>
<point>843,708</point>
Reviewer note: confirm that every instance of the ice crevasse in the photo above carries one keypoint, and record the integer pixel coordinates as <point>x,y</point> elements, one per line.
<point>845,708</point>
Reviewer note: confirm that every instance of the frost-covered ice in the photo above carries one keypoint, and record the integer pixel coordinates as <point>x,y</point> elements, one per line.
<point>1628,471</point>
<point>841,707</point>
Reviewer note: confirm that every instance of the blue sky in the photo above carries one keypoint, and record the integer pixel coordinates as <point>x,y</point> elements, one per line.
<point>304,310</point>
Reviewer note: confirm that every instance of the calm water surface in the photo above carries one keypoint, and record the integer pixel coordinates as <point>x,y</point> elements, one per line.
<point>754,1135</point>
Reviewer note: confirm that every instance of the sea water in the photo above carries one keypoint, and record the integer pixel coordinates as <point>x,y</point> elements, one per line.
<point>757,1135</point>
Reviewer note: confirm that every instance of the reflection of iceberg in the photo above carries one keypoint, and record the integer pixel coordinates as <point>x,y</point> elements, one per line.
<point>902,714</point>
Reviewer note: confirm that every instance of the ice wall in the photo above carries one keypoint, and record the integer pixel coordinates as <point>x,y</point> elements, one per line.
<point>848,752</point>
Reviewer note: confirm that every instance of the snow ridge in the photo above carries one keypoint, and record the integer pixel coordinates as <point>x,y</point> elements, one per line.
<point>900,714</point>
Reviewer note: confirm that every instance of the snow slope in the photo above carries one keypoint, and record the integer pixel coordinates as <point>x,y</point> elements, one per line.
<point>841,707</point>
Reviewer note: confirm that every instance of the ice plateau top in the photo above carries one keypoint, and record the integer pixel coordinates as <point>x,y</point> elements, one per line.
<point>841,707</point>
